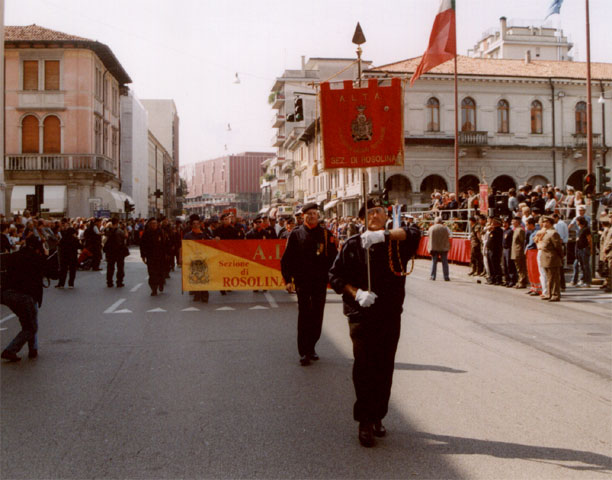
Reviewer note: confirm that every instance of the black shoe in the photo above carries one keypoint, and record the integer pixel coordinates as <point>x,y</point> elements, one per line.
<point>204,297</point>
<point>379,429</point>
<point>120,285</point>
<point>96,269</point>
<point>161,287</point>
<point>10,356</point>
<point>109,285</point>
<point>304,360</point>
<point>154,293</point>
<point>447,279</point>
<point>366,434</point>
<point>313,356</point>
<point>33,353</point>
<point>223,292</point>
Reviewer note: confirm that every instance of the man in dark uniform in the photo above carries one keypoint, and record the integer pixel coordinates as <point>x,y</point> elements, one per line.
<point>476,247</point>
<point>374,315</point>
<point>114,248</point>
<point>310,251</point>
<point>258,232</point>
<point>226,231</point>
<point>153,253</point>
<point>495,248</point>
<point>510,273</point>
<point>22,292</point>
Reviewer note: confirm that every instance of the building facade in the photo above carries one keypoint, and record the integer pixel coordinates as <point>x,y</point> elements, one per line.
<point>134,148</point>
<point>62,122</point>
<point>231,181</point>
<point>164,125</point>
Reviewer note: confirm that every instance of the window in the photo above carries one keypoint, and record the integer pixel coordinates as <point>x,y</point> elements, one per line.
<point>98,134</point>
<point>30,75</point>
<point>581,118</point>
<point>536,117</point>
<point>105,139</point>
<point>468,115</point>
<point>52,135</point>
<point>52,75</point>
<point>115,142</point>
<point>433,115</point>
<point>503,116</point>
<point>30,135</point>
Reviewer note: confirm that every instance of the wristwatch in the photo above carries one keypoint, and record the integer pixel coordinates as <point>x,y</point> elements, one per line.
<point>387,235</point>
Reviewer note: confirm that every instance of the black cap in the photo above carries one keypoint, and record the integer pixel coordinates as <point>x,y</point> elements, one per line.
<point>309,206</point>
<point>372,203</point>
<point>194,216</point>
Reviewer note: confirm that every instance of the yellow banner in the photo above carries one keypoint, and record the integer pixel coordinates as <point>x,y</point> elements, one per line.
<point>232,264</point>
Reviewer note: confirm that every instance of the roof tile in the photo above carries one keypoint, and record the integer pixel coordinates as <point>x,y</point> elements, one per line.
<point>35,32</point>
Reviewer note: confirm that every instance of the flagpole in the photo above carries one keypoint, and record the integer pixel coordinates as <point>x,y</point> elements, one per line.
<point>589,105</point>
<point>456,131</point>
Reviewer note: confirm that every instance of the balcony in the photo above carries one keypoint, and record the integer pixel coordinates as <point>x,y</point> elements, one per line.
<point>277,120</point>
<point>473,138</point>
<point>58,162</point>
<point>279,100</point>
<point>278,140</point>
<point>580,140</point>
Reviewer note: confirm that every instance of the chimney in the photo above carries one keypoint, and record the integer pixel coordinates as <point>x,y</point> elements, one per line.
<point>303,63</point>
<point>527,57</point>
<point>504,27</point>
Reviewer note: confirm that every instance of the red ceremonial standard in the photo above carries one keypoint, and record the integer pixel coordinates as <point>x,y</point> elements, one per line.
<point>362,127</point>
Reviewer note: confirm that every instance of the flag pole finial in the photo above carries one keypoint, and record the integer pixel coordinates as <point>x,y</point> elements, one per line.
<point>358,36</point>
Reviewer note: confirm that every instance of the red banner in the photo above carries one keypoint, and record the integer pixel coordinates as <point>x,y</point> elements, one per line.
<point>362,127</point>
<point>484,198</point>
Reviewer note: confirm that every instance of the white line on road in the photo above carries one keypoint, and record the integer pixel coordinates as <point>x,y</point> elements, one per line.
<point>156,310</point>
<point>136,287</point>
<point>225,308</point>
<point>259,307</point>
<point>190,309</point>
<point>271,300</point>
<point>114,306</point>
<point>8,317</point>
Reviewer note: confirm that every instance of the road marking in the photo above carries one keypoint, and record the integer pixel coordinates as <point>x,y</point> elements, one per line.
<point>8,317</point>
<point>156,310</point>
<point>136,287</point>
<point>225,308</point>
<point>190,309</point>
<point>271,300</point>
<point>114,306</point>
<point>259,307</point>
<point>125,310</point>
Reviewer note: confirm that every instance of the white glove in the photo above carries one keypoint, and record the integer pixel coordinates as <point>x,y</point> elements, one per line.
<point>365,299</point>
<point>369,238</point>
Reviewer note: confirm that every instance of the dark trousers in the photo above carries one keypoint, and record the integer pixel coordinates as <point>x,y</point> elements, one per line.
<point>26,309</point>
<point>96,253</point>
<point>509,268</point>
<point>67,265</point>
<point>157,273</point>
<point>375,336</point>
<point>311,305</point>
<point>476,259</point>
<point>495,269</point>
<point>111,261</point>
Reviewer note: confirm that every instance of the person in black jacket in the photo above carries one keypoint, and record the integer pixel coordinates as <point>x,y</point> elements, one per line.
<point>374,315</point>
<point>115,249</point>
<point>510,273</point>
<point>259,230</point>
<point>310,251</point>
<point>93,242</point>
<point>495,249</point>
<point>153,253</point>
<point>226,231</point>
<point>68,248</point>
<point>23,294</point>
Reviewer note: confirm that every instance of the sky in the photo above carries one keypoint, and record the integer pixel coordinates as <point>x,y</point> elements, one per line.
<point>191,50</point>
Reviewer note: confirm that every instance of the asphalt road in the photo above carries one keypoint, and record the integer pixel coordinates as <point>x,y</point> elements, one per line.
<point>489,383</point>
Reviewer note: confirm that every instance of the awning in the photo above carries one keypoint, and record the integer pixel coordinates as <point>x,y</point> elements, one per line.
<point>112,200</point>
<point>331,204</point>
<point>264,210</point>
<point>54,197</point>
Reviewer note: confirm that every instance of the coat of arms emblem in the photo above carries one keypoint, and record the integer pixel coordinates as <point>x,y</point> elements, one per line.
<point>361,127</point>
<point>198,271</point>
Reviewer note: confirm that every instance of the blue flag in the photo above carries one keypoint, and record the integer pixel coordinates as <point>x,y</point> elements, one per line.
<point>555,7</point>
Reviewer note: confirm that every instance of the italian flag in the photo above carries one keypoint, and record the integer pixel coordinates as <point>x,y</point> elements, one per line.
<point>442,41</point>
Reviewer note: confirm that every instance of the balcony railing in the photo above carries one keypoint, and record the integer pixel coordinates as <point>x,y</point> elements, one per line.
<point>279,100</point>
<point>278,140</point>
<point>277,120</point>
<point>57,162</point>
<point>580,140</point>
<point>473,138</point>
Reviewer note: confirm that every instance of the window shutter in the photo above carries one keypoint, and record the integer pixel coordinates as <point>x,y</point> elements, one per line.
<point>30,75</point>
<point>29,134</point>
<point>52,75</point>
<point>52,136</point>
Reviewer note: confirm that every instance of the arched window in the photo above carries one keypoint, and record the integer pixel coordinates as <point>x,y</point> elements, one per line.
<point>468,115</point>
<point>536,117</point>
<point>433,115</point>
<point>52,135</point>
<point>581,118</point>
<point>503,117</point>
<point>29,135</point>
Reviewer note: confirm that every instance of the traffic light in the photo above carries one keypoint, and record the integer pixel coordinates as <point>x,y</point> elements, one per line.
<point>127,206</point>
<point>298,109</point>
<point>290,118</point>
<point>602,178</point>
<point>589,184</point>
